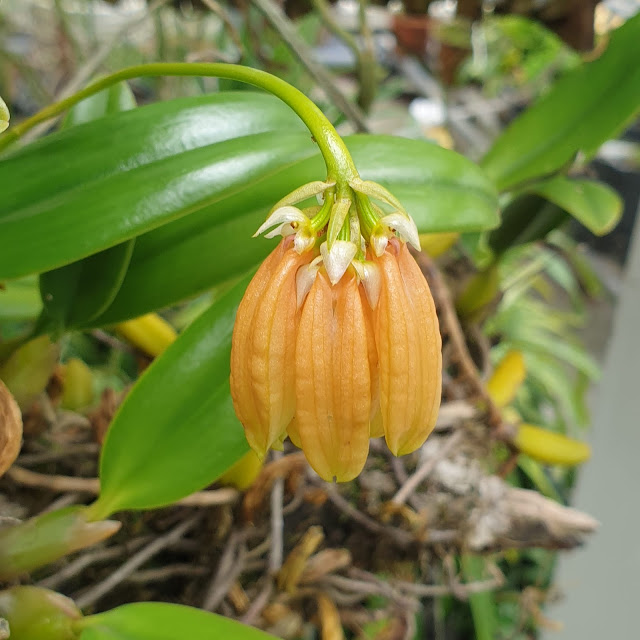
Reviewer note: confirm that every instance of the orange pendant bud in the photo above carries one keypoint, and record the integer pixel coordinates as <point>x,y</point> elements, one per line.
<point>263,349</point>
<point>332,346</point>
<point>409,352</point>
<point>333,379</point>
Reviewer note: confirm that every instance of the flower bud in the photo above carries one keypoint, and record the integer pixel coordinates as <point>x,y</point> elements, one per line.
<point>333,381</point>
<point>10,429</point>
<point>409,352</point>
<point>38,614</point>
<point>337,348</point>
<point>263,352</point>
<point>47,537</point>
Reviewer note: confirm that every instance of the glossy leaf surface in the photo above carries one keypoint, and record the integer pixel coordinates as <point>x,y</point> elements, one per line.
<point>90,187</point>
<point>161,621</point>
<point>594,204</point>
<point>215,243</point>
<point>83,190</point>
<point>77,292</point>
<point>580,112</point>
<point>176,432</point>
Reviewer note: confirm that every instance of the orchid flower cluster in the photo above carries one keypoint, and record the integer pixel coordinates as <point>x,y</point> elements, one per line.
<point>336,340</point>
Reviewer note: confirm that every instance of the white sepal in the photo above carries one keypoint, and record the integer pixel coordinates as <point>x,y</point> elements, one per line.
<point>369,274</point>
<point>305,239</point>
<point>282,216</point>
<point>404,226</point>
<point>285,229</point>
<point>338,258</point>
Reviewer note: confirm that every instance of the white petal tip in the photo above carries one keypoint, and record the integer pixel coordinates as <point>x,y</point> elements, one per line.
<point>404,226</point>
<point>282,216</point>
<point>379,242</point>
<point>338,258</point>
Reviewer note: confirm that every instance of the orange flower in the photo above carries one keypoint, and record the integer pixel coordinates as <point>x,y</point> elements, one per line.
<point>409,350</point>
<point>263,351</point>
<point>333,348</point>
<point>333,378</point>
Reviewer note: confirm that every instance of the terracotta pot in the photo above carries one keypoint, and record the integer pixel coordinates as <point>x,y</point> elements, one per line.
<point>412,33</point>
<point>417,35</point>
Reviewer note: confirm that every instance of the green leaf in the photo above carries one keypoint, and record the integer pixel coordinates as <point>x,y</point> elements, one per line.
<point>161,621</point>
<point>594,204</point>
<point>216,157</point>
<point>81,290</point>
<point>19,299</point>
<point>581,111</point>
<point>87,188</point>
<point>209,246</point>
<point>115,99</point>
<point>483,606</point>
<point>176,432</point>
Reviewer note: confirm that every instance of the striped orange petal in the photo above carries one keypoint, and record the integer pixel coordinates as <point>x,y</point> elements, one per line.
<point>263,349</point>
<point>409,352</point>
<point>333,380</point>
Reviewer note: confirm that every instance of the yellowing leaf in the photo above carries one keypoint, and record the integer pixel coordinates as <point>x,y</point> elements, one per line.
<point>551,448</point>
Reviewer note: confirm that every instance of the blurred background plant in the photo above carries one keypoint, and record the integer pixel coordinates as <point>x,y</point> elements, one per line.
<point>512,299</point>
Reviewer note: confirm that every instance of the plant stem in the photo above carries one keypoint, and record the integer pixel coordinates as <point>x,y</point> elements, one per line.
<point>340,166</point>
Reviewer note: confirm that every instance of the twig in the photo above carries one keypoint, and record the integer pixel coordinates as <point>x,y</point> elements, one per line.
<point>401,591</point>
<point>258,604</point>
<point>102,588</point>
<point>425,469</point>
<point>59,484</point>
<point>64,484</point>
<point>230,567</point>
<point>277,522</point>
<point>166,573</point>
<point>63,501</point>
<point>223,14</point>
<point>88,448</point>
<point>365,58</point>
<point>366,61</point>
<point>77,566</point>
<point>288,33</point>
<point>402,538</point>
<point>92,65</point>
<point>113,342</point>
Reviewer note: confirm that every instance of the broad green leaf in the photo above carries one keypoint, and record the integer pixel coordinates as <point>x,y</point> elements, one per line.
<point>580,112</point>
<point>176,432</point>
<point>594,204</point>
<point>89,187</point>
<point>83,190</point>
<point>115,99</point>
<point>162,621</point>
<point>79,291</point>
<point>209,246</point>
<point>19,299</point>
